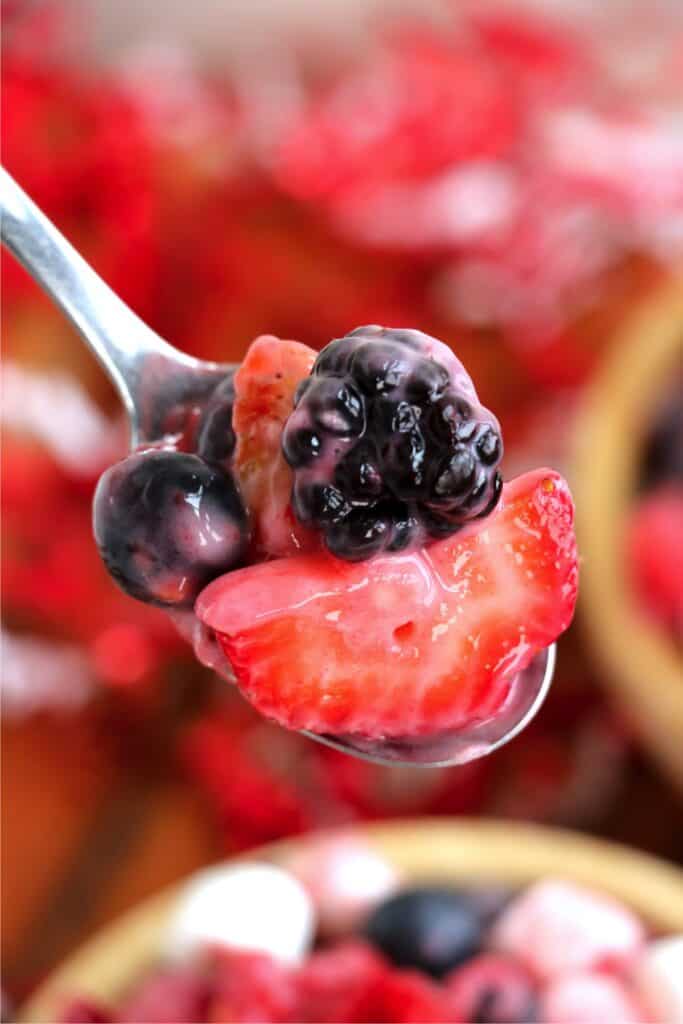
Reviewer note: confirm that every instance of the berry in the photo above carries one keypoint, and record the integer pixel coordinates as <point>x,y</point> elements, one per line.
<point>388,443</point>
<point>166,523</point>
<point>215,437</point>
<point>407,997</point>
<point>558,928</point>
<point>85,1011</point>
<point>250,987</point>
<point>167,996</point>
<point>589,999</point>
<point>264,397</point>
<point>493,989</point>
<point>403,645</point>
<point>340,984</point>
<point>431,929</point>
<point>655,554</point>
<point>424,104</point>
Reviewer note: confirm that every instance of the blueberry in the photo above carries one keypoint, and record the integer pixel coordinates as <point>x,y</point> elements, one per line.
<point>215,435</point>
<point>382,423</point>
<point>431,929</point>
<point>166,523</point>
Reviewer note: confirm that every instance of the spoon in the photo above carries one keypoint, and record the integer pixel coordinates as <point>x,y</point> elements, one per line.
<point>150,375</point>
<point>152,378</point>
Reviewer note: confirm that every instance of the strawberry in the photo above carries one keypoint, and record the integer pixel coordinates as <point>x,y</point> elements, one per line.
<point>264,397</point>
<point>403,644</point>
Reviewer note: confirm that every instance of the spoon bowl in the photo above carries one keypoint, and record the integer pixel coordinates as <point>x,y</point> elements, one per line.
<point>528,690</point>
<point>154,381</point>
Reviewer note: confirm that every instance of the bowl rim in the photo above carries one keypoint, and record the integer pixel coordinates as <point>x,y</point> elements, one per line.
<point>460,851</point>
<point>645,674</point>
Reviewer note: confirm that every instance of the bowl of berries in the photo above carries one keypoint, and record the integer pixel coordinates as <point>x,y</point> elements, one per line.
<point>628,483</point>
<point>471,921</point>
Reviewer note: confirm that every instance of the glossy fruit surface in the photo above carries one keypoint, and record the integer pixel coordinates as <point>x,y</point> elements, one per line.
<point>406,644</point>
<point>166,523</point>
<point>389,445</point>
<point>265,385</point>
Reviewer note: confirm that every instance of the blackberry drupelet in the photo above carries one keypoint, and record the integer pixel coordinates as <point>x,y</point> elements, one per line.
<point>166,523</point>
<point>389,444</point>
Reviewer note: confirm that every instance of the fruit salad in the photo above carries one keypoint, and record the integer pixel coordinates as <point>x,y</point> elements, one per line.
<point>333,531</point>
<point>336,936</point>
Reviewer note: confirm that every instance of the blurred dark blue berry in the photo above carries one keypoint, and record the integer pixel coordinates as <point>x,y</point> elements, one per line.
<point>431,929</point>
<point>390,422</point>
<point>166,523</point>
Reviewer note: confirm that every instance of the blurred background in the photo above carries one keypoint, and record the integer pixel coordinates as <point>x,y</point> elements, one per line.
<point>507,176</point>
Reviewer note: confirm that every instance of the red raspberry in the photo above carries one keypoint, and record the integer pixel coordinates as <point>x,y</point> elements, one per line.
<point>250,987</point>
<point>408,997</point>
<point>167,996</point>
<point>424,103</point>
<point>243,766</point>
<point>86,1011</point>
<point>340,984</point>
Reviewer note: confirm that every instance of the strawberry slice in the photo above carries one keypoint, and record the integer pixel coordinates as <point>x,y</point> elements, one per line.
<point>409,644</point>
<point>264,397</point>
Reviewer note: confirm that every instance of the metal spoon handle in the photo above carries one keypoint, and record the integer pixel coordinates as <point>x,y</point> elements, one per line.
<point>119,339</point>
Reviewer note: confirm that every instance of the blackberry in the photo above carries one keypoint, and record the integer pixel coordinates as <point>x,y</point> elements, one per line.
<point>166,523</point>
<point>389,444</point>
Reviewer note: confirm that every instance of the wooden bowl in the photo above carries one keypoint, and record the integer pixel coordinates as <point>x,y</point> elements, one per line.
<point>458,852</point>
<point>640,663</point>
